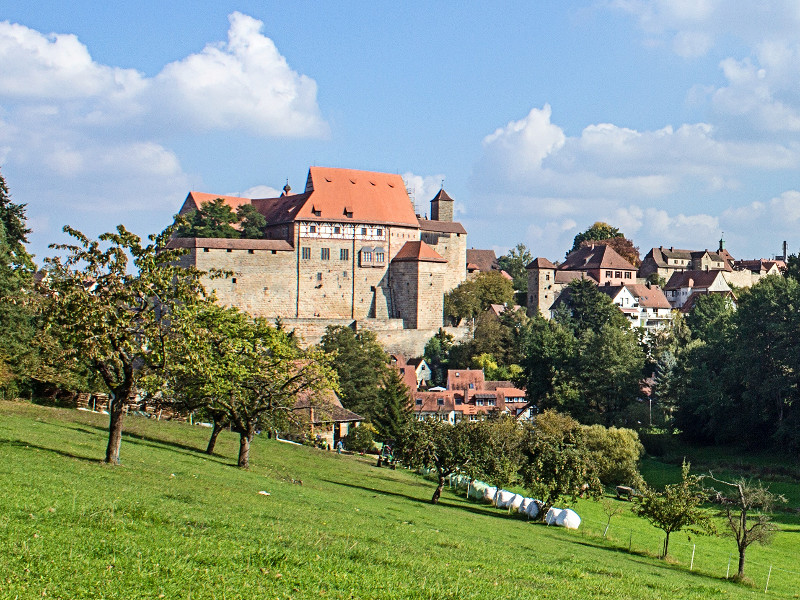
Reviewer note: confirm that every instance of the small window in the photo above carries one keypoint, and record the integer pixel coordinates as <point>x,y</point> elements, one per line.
<point>250,251</point>
<point>233,280</point>
<point>205,249</point>
<point>312,229</point>
<point>379,257</point>
<point>319,276</point>
<point>547,277</point>
<point>363,231</point>
<point>325,253</point>
<point>274,251</point>
<point>344,254</point>
<point>419,402</point>
<point>379,232</point>
<point>459,400</point>
<point>366,257</point>
<point>609,274</point>
<point>617,274</point>
<point>627,274</point>
<point>337,230</point>
<point>472,386</point>
<point>306,253</point>
<point>440,401</point>
<point>228,250</point>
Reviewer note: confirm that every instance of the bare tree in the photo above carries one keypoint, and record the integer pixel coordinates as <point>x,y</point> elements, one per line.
<point>747,514</point>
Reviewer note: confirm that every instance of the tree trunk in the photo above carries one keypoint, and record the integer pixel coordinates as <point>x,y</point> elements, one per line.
<point>116,413</point>
<point>245,437</point>
<point>438,492</point>
<point>219,425</point>
<point>666,545</point>
<point>741,563</point>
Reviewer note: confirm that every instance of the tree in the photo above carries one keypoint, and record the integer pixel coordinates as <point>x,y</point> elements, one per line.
<point>251,221</point>
<point>360,363</point>
<point>597,232</point>
<point>436,354</point>
<point>710,316</point>
<point>474,295</point>
<point>245,368</point>
<point>557,464</point>
<point>747,515</point>
<point>437,445</point>
<point>393,406</point>
<point>118,314</point>
<point>584,307</point>
<point>676,508</point>
<point>213,219</point>
<point>615,453</point>
<point>498,450</point>
<point>514,263</point>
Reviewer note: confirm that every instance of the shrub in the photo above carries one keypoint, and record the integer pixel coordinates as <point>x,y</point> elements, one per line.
<point>361,438</point>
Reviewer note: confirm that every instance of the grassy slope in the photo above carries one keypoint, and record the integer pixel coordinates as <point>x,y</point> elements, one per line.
<point>176,522</point>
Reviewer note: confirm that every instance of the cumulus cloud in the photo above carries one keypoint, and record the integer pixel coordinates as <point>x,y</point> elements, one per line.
<point>422,189</point>
<point>259,191</point>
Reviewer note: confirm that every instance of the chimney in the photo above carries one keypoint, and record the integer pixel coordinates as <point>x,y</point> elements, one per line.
<point>785,251</point>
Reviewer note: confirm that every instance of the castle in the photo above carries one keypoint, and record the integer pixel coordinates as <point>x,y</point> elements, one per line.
<point>347,250</point>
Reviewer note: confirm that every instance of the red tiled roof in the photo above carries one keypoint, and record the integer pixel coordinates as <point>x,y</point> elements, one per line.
<point>229,243</point>
<point>441,226</point>
<point>540,263</point>
<point>418,251</point>
<point>484,260</point>
<point>649,297</point>
<point>194,200</point>
<point>459,379</point>
<point>599,256</point>
<point>700,279</point>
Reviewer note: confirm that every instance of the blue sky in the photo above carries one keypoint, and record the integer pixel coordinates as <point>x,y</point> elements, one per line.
<point>672,120</point>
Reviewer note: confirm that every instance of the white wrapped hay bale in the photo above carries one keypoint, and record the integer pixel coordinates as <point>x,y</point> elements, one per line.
<point>569,519</point>
<point>533,508</point>
<point>552,515</point>
<point>516,501</point>
<point>489,494</point>
<point>504,498</point>
<point>523,507</point>
<point>477,490</point>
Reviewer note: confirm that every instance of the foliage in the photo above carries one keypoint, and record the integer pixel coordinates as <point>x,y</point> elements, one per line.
<point>558,465</point>
<point>746,515</point>
<point>498,447</point>
<point>251,221</point>
<point>360,363</point>
<point>437,445</point>
<point>709,317</point>
<point>393,407</point>
<point>615,453</point>
<point>514,263</point>
<point>583,307</point>
<point>474,295</point>
<point>677,507</point>
<point>597,232</point>
<point>437,352</point>
<point>245,368</point>
<point>361,438</point>
<point>116,311</point>
<point>214,219</point>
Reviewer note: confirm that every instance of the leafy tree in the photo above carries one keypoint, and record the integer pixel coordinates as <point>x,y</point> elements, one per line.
<point>514,263</point>
<point>597,232</point>
<point>709,317</point>
<point>615,453</point>
<point>498,446</point>
<point>436,354</point>
<point>474,295</point>
<point>361,438</point>
<point>610,366</point>
<point>437,445</point>
<point>213,219</point>
<point>251,221</point>
<point>117,314</point>
<point>676,508</point>
<point>585,308</point>
<point>557,463</point>
<point>360,364</point>
<point>245,368</point>
<point>747,515</point>
<point>393,406</point>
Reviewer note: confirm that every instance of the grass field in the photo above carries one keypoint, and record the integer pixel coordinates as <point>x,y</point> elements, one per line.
<point>172,522</point>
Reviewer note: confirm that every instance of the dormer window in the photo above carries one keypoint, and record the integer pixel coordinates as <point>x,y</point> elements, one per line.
<point>316,212</point>
<point>348,212</point>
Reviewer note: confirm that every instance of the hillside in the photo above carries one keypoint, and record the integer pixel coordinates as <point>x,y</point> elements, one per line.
<point>172,522</point>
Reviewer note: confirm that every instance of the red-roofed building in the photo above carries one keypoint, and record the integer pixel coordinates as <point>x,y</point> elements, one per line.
<point>349,247</point>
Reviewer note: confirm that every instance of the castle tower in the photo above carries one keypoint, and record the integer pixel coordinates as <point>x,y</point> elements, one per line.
<point>442,207</point>
<point>541,286</point>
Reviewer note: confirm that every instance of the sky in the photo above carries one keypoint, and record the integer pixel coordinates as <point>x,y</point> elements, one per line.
<point>677,121</point>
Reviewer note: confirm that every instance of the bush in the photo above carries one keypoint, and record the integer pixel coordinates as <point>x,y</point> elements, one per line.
<point>658,443</point>
<point>615,454</point>
<point>361,438</point>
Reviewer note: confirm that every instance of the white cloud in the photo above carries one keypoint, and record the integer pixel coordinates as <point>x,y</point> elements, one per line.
<point>422,189</point>
<point>260,191</point>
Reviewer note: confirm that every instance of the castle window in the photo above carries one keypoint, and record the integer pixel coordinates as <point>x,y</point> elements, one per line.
<point>325,253</point>
<point>319,276</point>
<point>205,249</point>
<point>379,232</point>
<point>379,257</point>
<point>617,273</point>
<point>547,277</point>
<point>228,250</point>
<point>344,254</point>
<point>312,229</point>
<point>251,251</point>
<point>306,253</point>
<point>337,230</point>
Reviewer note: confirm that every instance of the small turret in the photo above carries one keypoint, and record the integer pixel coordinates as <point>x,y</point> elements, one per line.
<point>442,207</point>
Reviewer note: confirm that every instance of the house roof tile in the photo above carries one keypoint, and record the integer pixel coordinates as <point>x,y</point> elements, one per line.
<point>598,256</point>
<point>418,251</point>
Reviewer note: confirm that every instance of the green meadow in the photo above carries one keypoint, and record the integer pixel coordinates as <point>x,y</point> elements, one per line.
<point>172,522</point>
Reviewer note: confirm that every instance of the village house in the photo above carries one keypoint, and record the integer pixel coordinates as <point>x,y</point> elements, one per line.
<point>468,396</point>
<point>321,416</point>
<point>683,288</point>
<point>645,306</point>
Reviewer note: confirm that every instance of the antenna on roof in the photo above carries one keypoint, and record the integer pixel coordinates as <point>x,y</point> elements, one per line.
<point>442,187</point>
